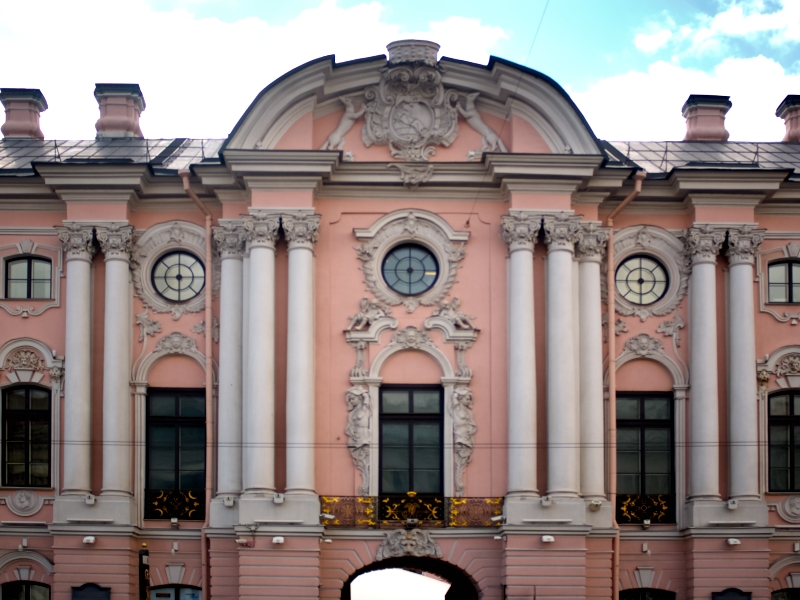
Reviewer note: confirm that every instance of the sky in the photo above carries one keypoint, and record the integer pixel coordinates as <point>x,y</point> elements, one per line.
<point>628,65</point>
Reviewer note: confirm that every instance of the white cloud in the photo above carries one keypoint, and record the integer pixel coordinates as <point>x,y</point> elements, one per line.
<point>397,584</point>
<point>197,75</point>
<point>647,105</point>
<point>650,42</point>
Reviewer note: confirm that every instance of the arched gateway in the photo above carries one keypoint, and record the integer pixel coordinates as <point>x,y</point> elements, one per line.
<point>462,587</point>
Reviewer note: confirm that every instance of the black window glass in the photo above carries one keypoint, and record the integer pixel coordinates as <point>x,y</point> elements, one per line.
<point>411,440</point>
<point>644,445</point>
<point>410,269</point>
<point>28,277</point>
<point>784,282</point>
<point>784,442</point>
<point>26,437</point>
<point>25,590</point>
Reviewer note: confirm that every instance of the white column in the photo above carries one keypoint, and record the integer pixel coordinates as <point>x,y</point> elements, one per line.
<point>245,340</point>
<point>702,245</point>
<point>563,439</point>
<point>258,411</point>
<point>116,241</point>
<point>742,390</point>
<point>519,231</point>
<point>591,244</point>
<point>77,241</point>
<point>300,230</point>
<point>229,238</point>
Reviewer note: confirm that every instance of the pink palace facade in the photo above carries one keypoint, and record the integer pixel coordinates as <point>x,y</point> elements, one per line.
<point>392,350</point>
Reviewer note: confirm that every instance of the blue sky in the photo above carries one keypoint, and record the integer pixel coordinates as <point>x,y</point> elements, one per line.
<point>628,65</point>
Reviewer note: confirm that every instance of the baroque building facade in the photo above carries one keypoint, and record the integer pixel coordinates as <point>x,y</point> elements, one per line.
<point>369,329</point>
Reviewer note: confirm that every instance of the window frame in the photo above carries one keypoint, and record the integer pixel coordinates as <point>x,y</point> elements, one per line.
<point>415,417</point>
<point>628,423</point>
<point>171,252</point>
<point>26,585</point>
<point>410,244</point>
<point>48,420</point>
<point>640,256</point>
<point>29,280</point>
<point>791,421</point>
<point>175,421</point>
<point>789,283</point>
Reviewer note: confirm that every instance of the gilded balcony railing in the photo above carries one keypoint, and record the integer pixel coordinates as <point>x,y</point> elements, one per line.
<point>370,512</point>
<point>169,504</point>
<point>636,508</point>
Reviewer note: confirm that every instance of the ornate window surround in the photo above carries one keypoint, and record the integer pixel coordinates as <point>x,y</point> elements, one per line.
<point>48,373</point>
<point>662,245</point>
<point>790,314</point>
<point>410,226</point>
<point>33,307</point>
<point>155,243</point>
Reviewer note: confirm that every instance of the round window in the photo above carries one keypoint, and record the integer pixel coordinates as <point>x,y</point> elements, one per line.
<point>410,269</point>
<point>641,279</point>
<point>178,276</point>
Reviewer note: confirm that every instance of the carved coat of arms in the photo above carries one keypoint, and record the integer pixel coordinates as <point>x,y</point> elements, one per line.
<point>410,110</point>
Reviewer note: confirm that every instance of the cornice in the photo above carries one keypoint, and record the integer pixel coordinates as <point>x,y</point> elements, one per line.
<point>745,200</point>
<point>62,175</point>
<point>281,162</point>
<point>736,181</point>
<point>542,165</point>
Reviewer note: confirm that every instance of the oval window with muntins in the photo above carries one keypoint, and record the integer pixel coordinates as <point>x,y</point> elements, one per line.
<point>410,269</point>
<point>178,276</point>
<point>641,279</point>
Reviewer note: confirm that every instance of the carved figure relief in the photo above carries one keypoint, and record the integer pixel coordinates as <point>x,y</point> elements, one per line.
<point>359,418</point>
<point>24,366</point>
<point>370,311</point>
<point>176,343</point>
<point>335,140</point>
<point>644,345</point>
<point>464,429</point>
<point>450,311</point>
<point>24,503</point>
<point>789,509</point>
<point>491,141</point>
<point>414,542</point>
<point>788,366</point>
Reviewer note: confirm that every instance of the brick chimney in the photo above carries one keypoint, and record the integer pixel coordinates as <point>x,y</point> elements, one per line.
<point>22,112</point>
<point>789,111</point>
<point>120,107</point>
<point>705,118</point>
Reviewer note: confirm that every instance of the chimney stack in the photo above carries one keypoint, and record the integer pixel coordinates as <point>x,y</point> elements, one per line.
<point>705,118</point>
<point>120,107</point>
<point>789,111</point>
<point>22,112</point>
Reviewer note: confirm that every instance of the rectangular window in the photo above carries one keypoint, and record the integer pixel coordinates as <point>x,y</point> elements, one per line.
<point>784,282</point>
<point>176,452</point>
<point>784,442</point>
<point>28,278</point>
<point>645,474</point>
<point>26,437</point>
<point>411,440</point>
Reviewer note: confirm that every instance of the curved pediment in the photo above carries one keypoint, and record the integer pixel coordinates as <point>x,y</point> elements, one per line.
<point>413,107</point>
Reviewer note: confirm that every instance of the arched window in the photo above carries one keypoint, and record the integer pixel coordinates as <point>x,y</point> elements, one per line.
<point>784,282</point>
<point>26,437</point>
<point>25,590</point>
<point>787,594</point>
<point>784,442</point>
<point>28,277</point>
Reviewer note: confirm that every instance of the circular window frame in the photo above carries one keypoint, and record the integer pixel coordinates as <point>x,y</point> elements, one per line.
<point>641,255</point>
<point>418,227</point>
<point>164,255</point>
<point>667,249</point>
<point>155,243</point>
<point>410,245</point>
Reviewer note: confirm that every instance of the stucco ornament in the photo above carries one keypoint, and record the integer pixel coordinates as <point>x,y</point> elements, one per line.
<point>450,311</point>
<point>520,230</point>
<point>491,142</point>
<point>116,240</point>
<point>77,240</point>
<point>672,328</point>
<point>743,245</point>
<point>561,231</point>
<point>703,243</point>
<point>644,345</point>
<point>591,242</point>
<point>413,227</point>
<point>229,238</point>
<point>412,175</point>
<point>789,509</point>
<point>414,542</point>
<point>301,228</point>
<point>359,418</point>
<point>146,325</point>
<point>201,328</point>
<point>261,228</point>
<point>369,312</point>
<point>410,110</point>
<point>335,140</point>
<point>26,360</point>
<point>176,343</point>
<point>411,338</point>
<point>788,366</point>
<point>24,503</point>
<point>464,429</point>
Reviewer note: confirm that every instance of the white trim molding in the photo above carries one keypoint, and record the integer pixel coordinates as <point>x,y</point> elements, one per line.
<point>32,307</point>
<point>16,555</point>
<point>790,250</point>
<point>410,226</point>
<point>155,243</point>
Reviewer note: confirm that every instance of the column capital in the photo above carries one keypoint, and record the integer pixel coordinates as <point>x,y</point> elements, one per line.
<point>261,228</point>
<point>519,230</point>
<point>300,228</point>
<point>743,245</point>
<point>77,240</point>
<point>561,232</point>
<point>702,243</point>
<point>591,242</point>
<point>116,240</point>
<point>229,238</point>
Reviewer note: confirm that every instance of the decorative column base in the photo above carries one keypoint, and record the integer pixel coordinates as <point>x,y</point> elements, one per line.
<point>300,509</point>
<point>716,513</point>
<point>106,510</point>
<point>221,515</point>
<point>536,512</point>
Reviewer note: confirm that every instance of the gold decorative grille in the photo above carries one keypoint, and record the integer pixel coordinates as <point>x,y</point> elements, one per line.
<point>169,504</point>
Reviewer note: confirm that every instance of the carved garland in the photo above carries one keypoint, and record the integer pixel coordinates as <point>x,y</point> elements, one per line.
<point>418,227</point>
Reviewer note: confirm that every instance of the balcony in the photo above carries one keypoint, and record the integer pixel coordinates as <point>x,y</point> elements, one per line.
<point>636,508</point>
<point>386,512</point>
<point>172,504</point>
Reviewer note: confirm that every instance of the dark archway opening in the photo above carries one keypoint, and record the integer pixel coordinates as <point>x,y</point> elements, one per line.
<point>462,587</point>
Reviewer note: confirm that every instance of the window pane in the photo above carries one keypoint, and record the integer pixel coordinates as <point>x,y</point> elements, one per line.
<point>394,435</point>
<point>656,408</point>
<point>40,592</point>
<point>14,591</point>
<point>779,457</point>
<point>15,452</point>
<point>40,474</point>
<point>40,400</point>
<point>778,293</point>
<point>17,289</point>
<point>161,446</point>
<point>193,406</point>
<point>15,474</point>
<point>40,289</point>
<point>628,484</point>
<point>628,462</point>
<point>778,480</point>
<point>41,269</point>
<point>15,429</point>
<point>426,401</point>
<point>656,484</point>
<point>628,439</point>
<point>395,401</point>
<point>426,457</point>
<point>17,269</point>
<point>656,439</point>
<point>778,434</point>
<point>427,481</point>
<point>15,399</point>
<point>426,434</point>
<point>657,462</point>
<point>394,458</point>
<point>162,406</point>
<point>778,273</point>
<point>192,480</point>
<point>627,408</point>
<point>795,293</point>
<point>161,479</point>
<point>779,405</point>
<point>395,482</point>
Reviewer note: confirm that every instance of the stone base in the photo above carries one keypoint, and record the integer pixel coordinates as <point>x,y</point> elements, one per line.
<point>221,515</point>
<point>716,513</point>
<point>535,511</point>
<point>296,509</point>
<point>106,510</point>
